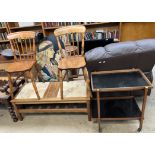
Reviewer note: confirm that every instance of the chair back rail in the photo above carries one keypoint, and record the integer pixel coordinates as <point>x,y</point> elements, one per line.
<point>23,45</point>
<point>70,35</point>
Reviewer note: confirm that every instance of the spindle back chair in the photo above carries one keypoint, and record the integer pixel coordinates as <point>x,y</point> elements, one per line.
<point>23,45</point>
<point>69,36</point>
<point>24,50</point>
<point>71,62</point>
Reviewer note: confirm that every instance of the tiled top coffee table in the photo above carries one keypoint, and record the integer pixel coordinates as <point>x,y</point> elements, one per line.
<point>121,107</point>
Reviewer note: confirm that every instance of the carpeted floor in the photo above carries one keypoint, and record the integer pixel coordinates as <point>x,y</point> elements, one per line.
<point>76,123</point>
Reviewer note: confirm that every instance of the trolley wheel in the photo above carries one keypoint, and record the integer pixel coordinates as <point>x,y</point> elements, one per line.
<point>139,129</point>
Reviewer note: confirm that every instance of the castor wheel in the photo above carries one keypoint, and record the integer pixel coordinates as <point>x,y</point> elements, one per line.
<point>139,129</point>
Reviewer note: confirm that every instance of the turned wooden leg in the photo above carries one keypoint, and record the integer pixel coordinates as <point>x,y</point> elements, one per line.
<point>12,112</point>
<point>86,77</point>
<point>19,115</point>
<point>34,85</point>
<point>61,83</point>
<point>143,109</point>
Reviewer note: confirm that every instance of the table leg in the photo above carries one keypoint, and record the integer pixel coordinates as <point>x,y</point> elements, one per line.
<point>89,110</point>
<point>19,115</point>
<point>98,109</point>
<point>143,109</point>
<point>11,111</point>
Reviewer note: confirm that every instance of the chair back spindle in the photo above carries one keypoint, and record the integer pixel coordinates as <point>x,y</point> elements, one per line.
<point>23,45</point>
<point>72,34</point>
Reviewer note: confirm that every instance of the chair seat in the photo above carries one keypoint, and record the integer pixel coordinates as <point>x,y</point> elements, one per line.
<point>72,62</point>
<point>19,66</point>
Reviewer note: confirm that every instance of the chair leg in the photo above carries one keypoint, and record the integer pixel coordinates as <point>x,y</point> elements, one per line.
<point>38,73</point>
<point>70,75</point>
<point>86,77</point>
<point>77,73</point>
<point>67,75</point>
<point>34,85</point>
<point>25,77</point>
<point>61,83</point>
<point>10,85</point>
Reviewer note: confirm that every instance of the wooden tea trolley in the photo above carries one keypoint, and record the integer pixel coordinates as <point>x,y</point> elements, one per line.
<point>119,107</point>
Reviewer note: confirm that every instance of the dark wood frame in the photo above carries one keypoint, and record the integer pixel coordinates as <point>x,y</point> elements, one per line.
<point>144,88</point>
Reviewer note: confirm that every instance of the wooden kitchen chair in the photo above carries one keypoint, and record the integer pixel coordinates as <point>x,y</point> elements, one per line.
<point>69,62</point>
<point>24,50</point>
